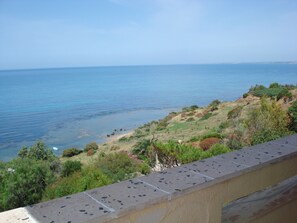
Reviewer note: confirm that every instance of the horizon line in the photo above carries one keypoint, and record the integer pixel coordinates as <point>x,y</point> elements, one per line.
<point>147,65</point>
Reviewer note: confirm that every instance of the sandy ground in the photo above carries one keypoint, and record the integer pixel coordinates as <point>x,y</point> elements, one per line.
<point>118,136</point>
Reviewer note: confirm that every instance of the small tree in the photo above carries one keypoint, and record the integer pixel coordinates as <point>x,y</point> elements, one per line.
<point>39,151</point>
<point>24,184</point>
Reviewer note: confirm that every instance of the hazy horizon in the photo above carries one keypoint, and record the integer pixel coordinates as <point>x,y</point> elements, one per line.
<point>145,65</point>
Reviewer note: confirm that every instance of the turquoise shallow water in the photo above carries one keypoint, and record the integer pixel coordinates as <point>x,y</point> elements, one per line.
<point>73,106</point>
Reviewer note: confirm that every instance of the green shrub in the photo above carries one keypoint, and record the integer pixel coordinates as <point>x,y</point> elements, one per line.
<point>171,153</point>
<point>89,178</point>
<point>293,114</point>
<point>167,153</point>
<point>266,123</point>
<point>275,90</point>
<point>274,85</point>
<point>245,95</point>
<point>55,166</point>
<point>70,167</point>
<point>23,182</point>
<point>235,140</point>
<point>217,149</point>
<point>194,107</point>
<point>141,149</point>
<point>118,166</point>
<point>269,92</point>
<point>189,154</point>
<point>92,145</point>
<point>265,136</point>
<point>215,103</point>
<point>23,152</point>
<point>126,139</point>
<point>71,152</point>
<point>256,88</point>
<point>284,93</point>
<point>194,139</point>
<point>39,151</point>
<point>145,168</point>
<point>62,187</point>
<point>191,108</point>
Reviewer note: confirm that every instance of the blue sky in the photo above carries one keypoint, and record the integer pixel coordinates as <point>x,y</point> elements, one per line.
<point>73,33</point>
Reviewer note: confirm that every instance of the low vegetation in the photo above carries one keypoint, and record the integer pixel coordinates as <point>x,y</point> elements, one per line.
<point>91,146</point>
<point>267,122</point>
<point>293,116</point>
<point>206,144</point>
<point>89,177</point>
<point>275,91</point>
<point>194,133</point>
<point>71,152</point>
<point>24,179</point>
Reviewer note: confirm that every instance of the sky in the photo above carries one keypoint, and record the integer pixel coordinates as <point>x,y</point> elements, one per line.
<point>76,33</point>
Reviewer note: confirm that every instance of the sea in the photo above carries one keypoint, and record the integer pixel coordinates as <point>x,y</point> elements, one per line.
<point>70,107</point>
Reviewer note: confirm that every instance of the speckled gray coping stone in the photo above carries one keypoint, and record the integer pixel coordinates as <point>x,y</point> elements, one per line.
<point>113,200</point>
<point>276,148</point>
<point>288,140</point>
<point>262,153</point>
<point>214,168</point>
<point>70,209</point>
<point>246,157</point>
<point>127,194</point>
<point>175,180</point>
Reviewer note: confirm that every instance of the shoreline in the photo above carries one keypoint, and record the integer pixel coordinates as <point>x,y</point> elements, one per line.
<point>115,138</point>
<point>93,129</point>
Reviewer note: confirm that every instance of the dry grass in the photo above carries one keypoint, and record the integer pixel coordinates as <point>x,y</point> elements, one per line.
<point>178,128</point>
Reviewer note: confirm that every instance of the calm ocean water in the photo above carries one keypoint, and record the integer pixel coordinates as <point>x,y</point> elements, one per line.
<point>73,106</point>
